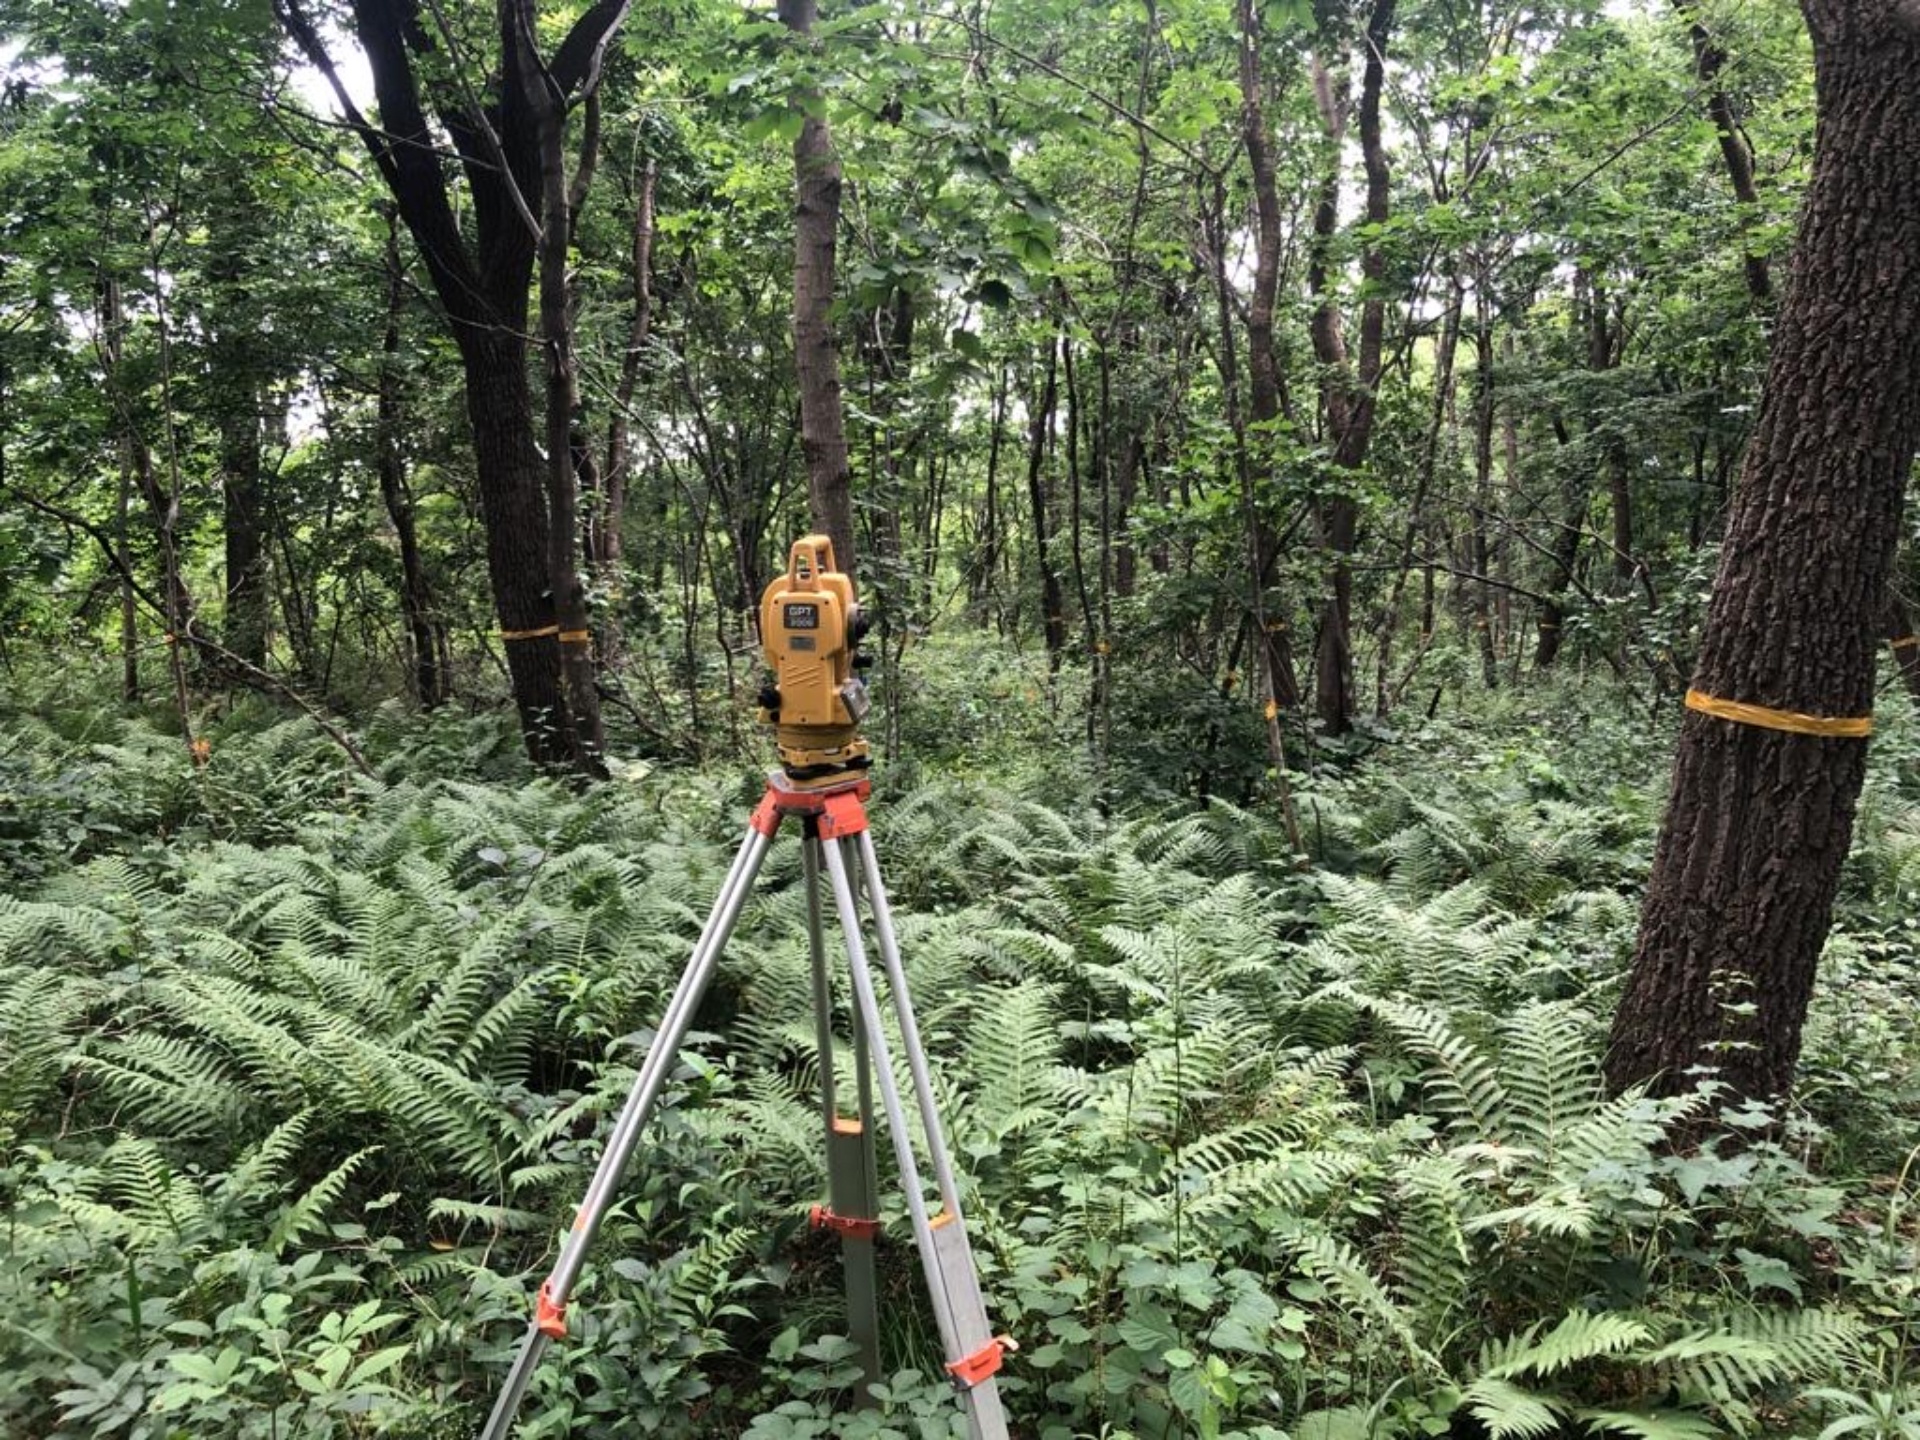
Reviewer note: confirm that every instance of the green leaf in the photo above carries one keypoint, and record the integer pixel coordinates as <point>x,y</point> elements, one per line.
<point>1150,1330</point>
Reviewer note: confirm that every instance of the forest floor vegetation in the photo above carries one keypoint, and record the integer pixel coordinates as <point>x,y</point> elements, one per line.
<point>300,1071</point>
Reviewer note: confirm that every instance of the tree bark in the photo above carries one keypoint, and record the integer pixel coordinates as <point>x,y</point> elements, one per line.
<point>236,390</point>
<point>244,521</point>
<point>605,540</point>
<point>1759,821</point>
<point>129,612</point>
<point>816,356</point>
<point>547,104</point>
<point>1477,549</point>
<point>984,567</point>
<point>429,657</point>
<point>1349,387</point>
<point>1577,488</point>
<point>1735,149</point>
<point>483,288</point>
<point>514,516</point>
<point>1263,377</point>
<point>162,501</point>
<point>1052,597</point>
<point>1448,343</point>
<point>1606,346</point>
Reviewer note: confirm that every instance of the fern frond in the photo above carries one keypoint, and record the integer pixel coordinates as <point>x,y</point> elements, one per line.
<point>1649,1424</point>
<point>1580,1335</point>
<point>1511,1412</point>
<point>307,1210</point>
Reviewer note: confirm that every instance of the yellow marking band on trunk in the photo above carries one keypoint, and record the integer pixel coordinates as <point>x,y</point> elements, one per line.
<point>536,634</point>
<point>1851,727</point>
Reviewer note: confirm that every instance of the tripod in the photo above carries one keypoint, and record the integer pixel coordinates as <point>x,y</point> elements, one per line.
<point>834,837</point>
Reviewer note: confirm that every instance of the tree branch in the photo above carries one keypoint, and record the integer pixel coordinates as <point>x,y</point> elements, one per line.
<point>581,56</point>
<point>489,139</point>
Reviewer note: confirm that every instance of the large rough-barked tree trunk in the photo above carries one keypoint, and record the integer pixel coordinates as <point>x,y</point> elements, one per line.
<point>237,385</point>
<point>1760,819</point>
<point>560,205</point>
<point>482,286</point>
<point>513,513</point>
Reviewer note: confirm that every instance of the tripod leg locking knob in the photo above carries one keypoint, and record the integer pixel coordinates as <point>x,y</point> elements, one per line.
<point>550,1315</point>
<point>852,1226</point>
<point>972,1369</point>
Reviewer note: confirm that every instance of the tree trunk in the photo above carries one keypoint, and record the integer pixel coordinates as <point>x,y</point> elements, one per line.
<point>244,523</point>
<point>1735,149</point>
<point>1126,489</point>
<point>482,284</point>
<point>427,645</point>
<point>1577,487</point>
<point>558,206</point>
<point>894,589</point>
<point>1350,385</point>
<point>1263,376</point>
<point>604,524</point>
<point>123,557</point>
<point>1076,559</point>
<point>1605,351</point>
<point>816,356</point>
<point>162,502</point>
<point>1478,553</point>
<point>1052,598</point>
<point>1760,819</point>
<point>1389,625</point>
<point>985,565</point>
<point>514,515</point>
<point>236,391</point>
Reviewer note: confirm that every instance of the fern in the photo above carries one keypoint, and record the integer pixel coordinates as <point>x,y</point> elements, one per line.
<point>306,1211</point>
<point>1015,1054</point>
<point>1580,1335</point>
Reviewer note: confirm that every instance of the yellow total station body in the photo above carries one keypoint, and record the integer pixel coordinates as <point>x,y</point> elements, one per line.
<point>810,624</point>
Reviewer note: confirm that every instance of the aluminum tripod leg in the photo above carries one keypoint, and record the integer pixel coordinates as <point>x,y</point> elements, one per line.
<point>852,1207</point>
<point>945,1256</point>
<point>654,1070</point>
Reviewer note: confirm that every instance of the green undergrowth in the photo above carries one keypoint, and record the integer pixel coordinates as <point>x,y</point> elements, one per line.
<point>301,1071</point>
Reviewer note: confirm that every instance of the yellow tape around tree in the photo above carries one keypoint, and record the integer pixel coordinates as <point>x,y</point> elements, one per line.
<point>535,634</point>
<point>1905,642</point>
<point>1852,727</point>
<point>575,637</point>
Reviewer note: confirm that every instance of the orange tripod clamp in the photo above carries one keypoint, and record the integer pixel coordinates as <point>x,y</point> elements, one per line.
<point>970,1370</point>
<point>549,1314</point>
<point>822,1217</point>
